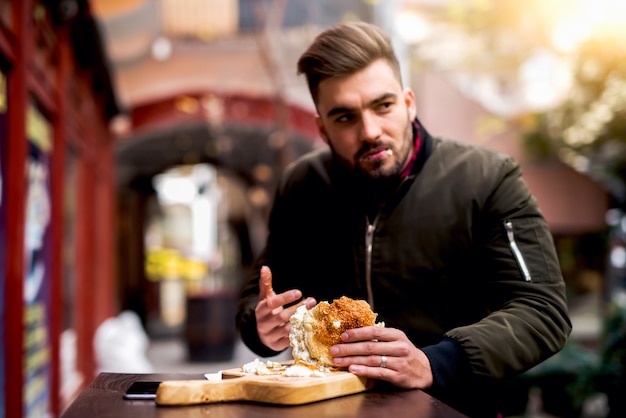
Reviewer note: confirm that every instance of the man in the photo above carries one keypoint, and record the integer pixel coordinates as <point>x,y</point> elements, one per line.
<point>442,238</point>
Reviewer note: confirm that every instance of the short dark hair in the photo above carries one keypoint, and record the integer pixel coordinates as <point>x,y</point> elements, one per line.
<point>344,49</point>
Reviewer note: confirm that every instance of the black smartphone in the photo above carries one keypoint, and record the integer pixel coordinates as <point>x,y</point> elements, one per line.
<point>142,390</point>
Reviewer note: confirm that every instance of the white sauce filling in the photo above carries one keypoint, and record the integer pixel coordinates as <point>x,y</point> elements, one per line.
<point>303,371</point>
<point>263,369</point>
<point>256,367</point>
<point>296,335</point>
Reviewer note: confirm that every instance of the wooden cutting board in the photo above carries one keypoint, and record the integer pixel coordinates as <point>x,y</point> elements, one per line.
<point>274,388</point>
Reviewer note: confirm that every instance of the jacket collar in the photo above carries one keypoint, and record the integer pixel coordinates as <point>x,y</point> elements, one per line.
<point>423,146</point>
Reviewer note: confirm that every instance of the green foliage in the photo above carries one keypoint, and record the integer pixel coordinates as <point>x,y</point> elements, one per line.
<point>590,125</point>
<point>588,128</point>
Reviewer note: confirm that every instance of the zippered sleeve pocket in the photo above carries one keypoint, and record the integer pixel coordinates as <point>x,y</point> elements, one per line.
<point>517,253</point>
<point>531,249</point>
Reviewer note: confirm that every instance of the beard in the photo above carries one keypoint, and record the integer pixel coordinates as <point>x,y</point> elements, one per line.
<point>374,182</point>
<point>377,170</point>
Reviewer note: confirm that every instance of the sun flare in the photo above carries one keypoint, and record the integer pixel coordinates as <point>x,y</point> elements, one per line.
<point>581,20</point>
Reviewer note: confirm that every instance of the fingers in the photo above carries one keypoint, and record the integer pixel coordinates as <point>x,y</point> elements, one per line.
<point>285,298</point>
<point>310,303</point>
<point>374,360</point>
<point>265,283</point>
<point>372,333</point>
<point>366,346</point>
<point>271,312</point>
<point>385,354</point>
<point>273,326</point>
<point>410,371</point>
<point>361,349</point>
<point>274,301</point>
<point>389,367</point>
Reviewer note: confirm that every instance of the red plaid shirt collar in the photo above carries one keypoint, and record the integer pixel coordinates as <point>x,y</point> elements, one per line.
<point>418,141</point>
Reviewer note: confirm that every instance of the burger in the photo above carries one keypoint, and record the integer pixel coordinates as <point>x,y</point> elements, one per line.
<point>315,330</point>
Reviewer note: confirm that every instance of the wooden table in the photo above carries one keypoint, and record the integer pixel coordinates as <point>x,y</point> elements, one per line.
<point>104,398</point>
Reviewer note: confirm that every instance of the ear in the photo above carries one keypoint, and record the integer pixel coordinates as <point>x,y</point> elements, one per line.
<point>409,101</point>
<point>321,129</point>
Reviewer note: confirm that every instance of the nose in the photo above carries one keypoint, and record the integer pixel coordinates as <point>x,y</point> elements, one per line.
<point>370,127</point>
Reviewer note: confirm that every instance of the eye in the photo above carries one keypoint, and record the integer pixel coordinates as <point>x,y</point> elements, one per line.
<point>346,117</point>
<point>383,106</point>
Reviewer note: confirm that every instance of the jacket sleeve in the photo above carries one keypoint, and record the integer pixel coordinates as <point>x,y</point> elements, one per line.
<point>528,320</point>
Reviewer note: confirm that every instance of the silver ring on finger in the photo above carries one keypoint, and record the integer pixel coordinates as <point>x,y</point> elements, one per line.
<point>383,361</point>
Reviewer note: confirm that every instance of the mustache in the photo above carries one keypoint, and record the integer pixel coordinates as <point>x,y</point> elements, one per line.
<point>368,147</point>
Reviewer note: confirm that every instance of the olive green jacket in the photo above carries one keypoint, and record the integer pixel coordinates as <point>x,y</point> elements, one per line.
<point>459,251</point>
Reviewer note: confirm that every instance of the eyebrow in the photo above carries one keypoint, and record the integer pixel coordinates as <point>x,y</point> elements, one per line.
<point>346,109</point>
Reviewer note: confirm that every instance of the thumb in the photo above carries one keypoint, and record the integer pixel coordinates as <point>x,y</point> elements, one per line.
<point>265,283</point>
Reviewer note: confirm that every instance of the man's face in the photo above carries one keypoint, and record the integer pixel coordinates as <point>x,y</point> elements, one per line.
<point>366,119</point>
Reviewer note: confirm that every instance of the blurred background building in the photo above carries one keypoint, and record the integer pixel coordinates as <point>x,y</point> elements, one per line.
<point>141,140</point>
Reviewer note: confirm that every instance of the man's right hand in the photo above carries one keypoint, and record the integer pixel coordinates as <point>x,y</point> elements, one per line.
<point>272,317</point>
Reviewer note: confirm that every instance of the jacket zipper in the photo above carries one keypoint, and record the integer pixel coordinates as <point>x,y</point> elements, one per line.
<point>508,226</point>
<point>369,238</point>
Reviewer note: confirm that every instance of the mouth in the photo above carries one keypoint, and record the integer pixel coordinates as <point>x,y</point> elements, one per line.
<point>376,154</point>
